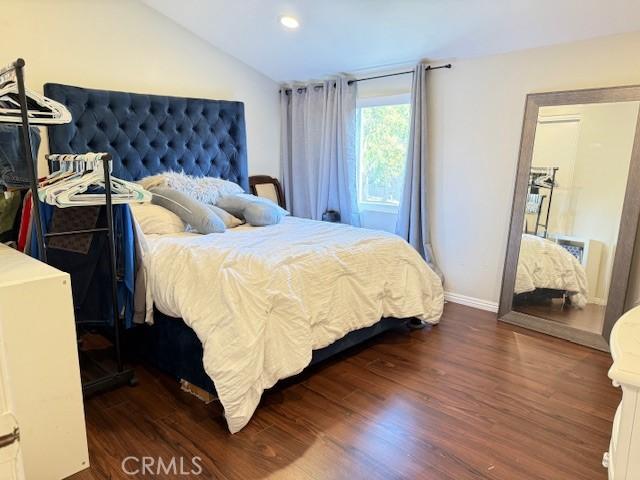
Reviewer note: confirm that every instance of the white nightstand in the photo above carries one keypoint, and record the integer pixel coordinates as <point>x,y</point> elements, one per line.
<point>623,457</point>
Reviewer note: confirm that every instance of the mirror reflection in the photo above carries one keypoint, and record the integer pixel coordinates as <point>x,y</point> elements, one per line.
<point>574,202</point>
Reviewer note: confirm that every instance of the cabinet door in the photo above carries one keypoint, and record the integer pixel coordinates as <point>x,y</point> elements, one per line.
<point>10,459</point>
<point>39,357</point>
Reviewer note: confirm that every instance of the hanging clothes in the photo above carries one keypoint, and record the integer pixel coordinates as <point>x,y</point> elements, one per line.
<point>24,231</point>
<point>534,201</point>
<point>9,206</point>
<point>73,218</point>
<point>14,173</point>
<point>90,274</point>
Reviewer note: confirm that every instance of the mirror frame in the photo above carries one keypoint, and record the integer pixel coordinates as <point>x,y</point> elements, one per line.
<point>626,233</point>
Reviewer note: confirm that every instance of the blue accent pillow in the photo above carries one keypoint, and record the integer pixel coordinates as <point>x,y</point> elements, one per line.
<point>256,211</point>
<point>193,212</point>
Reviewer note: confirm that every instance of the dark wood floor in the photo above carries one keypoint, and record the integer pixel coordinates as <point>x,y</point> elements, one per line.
<point>590,318</point>
<point>468,399</point>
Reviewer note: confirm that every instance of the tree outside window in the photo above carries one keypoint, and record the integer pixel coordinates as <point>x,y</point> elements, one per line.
<point>384,137</point>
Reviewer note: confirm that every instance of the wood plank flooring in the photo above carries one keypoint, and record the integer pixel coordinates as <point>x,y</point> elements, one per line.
<point>590,318</point>
<point>471,398</point>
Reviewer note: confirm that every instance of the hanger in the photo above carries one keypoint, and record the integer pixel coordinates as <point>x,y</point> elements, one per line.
<point>73,197</point>
<point>69,189</point>
<point>65,170</point>
<point>69,169</point>
<point>41,110</point>
<point>70,194</point>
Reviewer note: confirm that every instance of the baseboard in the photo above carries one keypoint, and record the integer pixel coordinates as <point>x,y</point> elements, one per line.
<point>471,302</point>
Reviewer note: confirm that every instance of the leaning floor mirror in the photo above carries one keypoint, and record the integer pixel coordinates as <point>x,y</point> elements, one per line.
<point>575,214</point>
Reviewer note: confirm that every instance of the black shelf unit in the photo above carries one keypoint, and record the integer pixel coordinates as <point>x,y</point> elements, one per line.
<point>111,377</point>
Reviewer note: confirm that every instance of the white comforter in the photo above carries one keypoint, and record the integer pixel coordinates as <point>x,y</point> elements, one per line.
<point>545,264</point>
<point>261,299</point>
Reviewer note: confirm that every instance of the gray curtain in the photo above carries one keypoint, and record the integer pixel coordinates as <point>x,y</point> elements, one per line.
<point>413,216</point>
<point>318,148</point>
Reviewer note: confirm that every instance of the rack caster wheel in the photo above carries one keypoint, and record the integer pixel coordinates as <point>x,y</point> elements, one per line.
<point>133,382</point>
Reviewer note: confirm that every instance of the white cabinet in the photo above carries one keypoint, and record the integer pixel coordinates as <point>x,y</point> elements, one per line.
<point>623,457</point>
<point>42,428</point>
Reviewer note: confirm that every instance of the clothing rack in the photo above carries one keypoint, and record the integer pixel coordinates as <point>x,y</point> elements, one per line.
<point>534,188</point>
<point>17,68</point>
<point>121,376</point>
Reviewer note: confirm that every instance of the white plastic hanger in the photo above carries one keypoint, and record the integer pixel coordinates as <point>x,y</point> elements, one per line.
<point>42,110</point>
<point>69,191</point>
<point>69,169</point>
<point>73,195</point>
<point>122,192</point>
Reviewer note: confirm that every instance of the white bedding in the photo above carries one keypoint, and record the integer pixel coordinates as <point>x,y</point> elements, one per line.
<point>261,299</point>
<point>545,264</point>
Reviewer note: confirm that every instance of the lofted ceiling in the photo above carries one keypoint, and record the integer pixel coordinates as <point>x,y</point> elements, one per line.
<point>351,35</point>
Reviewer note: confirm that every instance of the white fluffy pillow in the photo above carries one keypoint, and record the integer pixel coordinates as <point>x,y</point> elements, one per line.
<point>204,189</point>
<point>156,219</point>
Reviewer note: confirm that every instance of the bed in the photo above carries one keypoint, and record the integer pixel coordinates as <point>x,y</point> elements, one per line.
<point>236,312</point>
<point>547,270</point>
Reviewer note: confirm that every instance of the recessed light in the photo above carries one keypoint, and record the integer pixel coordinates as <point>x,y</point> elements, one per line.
<point>289,22</point>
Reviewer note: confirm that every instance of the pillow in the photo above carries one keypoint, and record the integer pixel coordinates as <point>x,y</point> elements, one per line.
<point>229,220</point>
<point>191,211</point>
<point>204,189</point>
<point>257,211</point>
<point>264,200</point>
<point>225,187</point>
<point>156,219</point>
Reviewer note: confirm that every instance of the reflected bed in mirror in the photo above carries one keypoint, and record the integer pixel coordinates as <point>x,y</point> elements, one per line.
<point>569,248</point>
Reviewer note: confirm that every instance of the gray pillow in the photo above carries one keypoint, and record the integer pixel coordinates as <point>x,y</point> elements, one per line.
<point>257,211</point>
<point>263,200</point>
<point>229,220</point>
<point>191,211</point>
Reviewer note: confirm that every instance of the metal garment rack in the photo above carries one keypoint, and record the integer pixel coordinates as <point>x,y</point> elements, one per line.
<point>533,188</point>
<point>121,376</point>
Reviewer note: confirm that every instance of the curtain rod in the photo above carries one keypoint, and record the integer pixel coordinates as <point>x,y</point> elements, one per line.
<point>429,67</point>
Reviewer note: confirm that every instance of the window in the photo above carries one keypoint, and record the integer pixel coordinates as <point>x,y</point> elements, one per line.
<point>383,128</point>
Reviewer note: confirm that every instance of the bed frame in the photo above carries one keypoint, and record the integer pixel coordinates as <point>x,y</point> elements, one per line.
<point>150,134</point>
<point>541,295</point>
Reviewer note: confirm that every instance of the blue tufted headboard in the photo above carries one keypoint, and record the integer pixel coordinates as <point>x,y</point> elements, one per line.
<point>149,134</point>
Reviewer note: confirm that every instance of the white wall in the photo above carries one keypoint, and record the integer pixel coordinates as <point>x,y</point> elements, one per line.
<point>556,145</point>
<point>476,118</point>
<point>600,179</point>
<point>476,114</point>
<point>592,176</point>
<point>124,45</point>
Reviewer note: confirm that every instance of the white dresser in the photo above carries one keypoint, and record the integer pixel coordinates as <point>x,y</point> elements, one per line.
<point>623,458</point>
<point>42,428</point>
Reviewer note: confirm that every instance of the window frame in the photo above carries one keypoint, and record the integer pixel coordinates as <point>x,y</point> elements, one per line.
<point>375,101</point>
